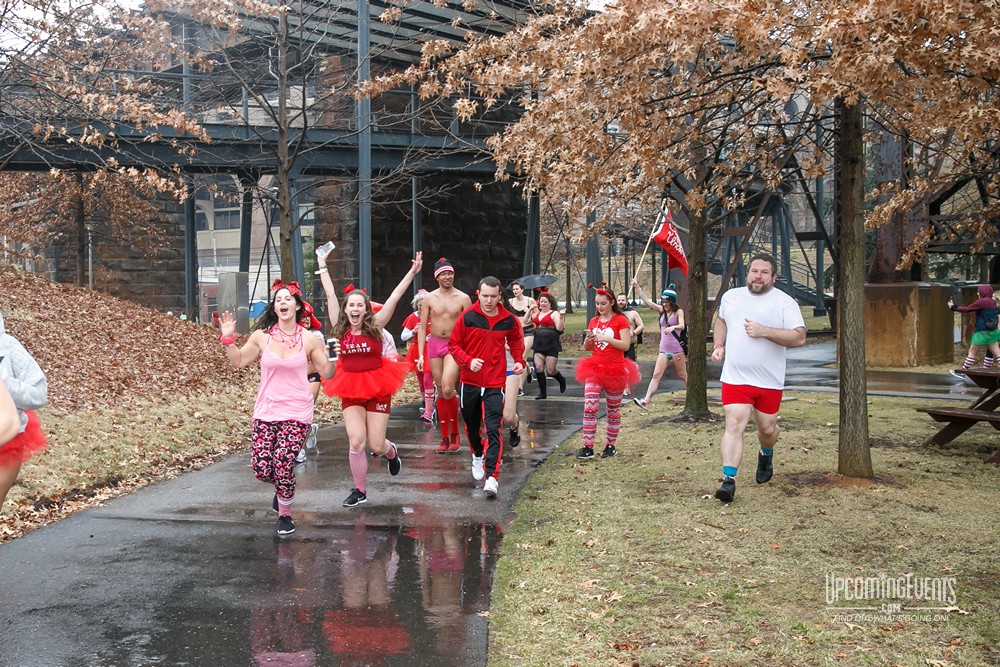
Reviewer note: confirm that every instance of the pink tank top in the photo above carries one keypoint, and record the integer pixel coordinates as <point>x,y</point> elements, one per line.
<point>284,392</point>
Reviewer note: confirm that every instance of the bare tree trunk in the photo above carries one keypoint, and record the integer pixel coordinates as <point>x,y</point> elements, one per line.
<point>81,234</point>
<point>569,277</point>
<point>284,163</point>
<point>854,455</point>
<point>696,397</point>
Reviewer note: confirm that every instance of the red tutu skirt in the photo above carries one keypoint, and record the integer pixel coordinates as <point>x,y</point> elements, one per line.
<point>24,445</point>
<point>614,375</point>
<point>411,355</point>
<point>383,381</point>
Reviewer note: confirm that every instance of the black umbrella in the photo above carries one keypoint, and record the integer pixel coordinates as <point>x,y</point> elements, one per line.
<point>536,280</point>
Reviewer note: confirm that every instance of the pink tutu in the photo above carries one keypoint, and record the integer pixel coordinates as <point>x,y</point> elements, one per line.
<point>615,375</point>
<point>383,381</point>
<point>23,445</point>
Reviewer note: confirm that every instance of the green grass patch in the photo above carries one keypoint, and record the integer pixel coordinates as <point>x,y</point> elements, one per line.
<point>631,561</point>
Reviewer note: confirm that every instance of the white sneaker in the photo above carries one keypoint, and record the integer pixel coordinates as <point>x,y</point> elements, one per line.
<point>478,467</point>
<point>490,487</point>
<point>301,456</point>
<point>311,440</point>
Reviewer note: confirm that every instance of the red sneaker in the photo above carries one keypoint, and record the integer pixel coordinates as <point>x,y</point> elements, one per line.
<point>455,444</point>
<point>443,447</point>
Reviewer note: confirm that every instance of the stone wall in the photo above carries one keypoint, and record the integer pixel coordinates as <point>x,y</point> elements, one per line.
<point>481,231</point>
<point>128,267</point>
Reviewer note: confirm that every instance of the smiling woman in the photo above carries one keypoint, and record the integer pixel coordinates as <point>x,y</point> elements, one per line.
<point>369,373</point>
<point>283,411</point>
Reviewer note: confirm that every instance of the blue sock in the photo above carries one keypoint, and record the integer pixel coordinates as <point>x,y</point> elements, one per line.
<point>765,451</point>
<point>729,471</point>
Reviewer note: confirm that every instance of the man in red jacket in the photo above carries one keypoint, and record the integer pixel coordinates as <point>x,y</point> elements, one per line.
<point>477,344</point>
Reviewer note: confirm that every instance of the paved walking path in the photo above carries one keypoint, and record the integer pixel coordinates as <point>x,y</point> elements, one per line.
<point>190,572</point>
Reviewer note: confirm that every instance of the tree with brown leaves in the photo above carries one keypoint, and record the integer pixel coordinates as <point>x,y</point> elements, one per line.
<point>701,91</point>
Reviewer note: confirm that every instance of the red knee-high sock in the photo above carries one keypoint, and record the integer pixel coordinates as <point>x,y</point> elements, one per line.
<point>443,420</point>
<point>453,408</point>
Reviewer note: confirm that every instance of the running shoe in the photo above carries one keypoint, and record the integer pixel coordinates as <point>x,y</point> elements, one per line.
<point>585,453</point>
<point>394,463</point>
<point>285,525</point>
<point>426,417</point>
<point>443,447</point>
<point>765,467</point>
<point>608,452</point>
<point>478,467</point>
<point>960,375</point>
<point>727,491</point>
<point>514,437</point>
<point>642,403</point>
<point>455,444</point>
<point>311,440</point>
<point>490,488</point>
<point>356,498</point>
<point>301,456</point>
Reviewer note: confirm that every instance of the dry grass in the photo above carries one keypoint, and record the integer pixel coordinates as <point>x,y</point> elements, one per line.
<point>631,561</point>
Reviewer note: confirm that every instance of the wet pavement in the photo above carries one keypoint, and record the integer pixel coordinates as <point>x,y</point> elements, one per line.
<point>190,571</point>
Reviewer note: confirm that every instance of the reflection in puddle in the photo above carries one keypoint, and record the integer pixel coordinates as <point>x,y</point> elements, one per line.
<point>378,592</point>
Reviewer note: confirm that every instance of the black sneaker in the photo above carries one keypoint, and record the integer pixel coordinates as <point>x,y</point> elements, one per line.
<point>514,437</point>
<point>356,498</point>
<point>394,463</point>
<point>585,453</point>
<point>608,452</point>
<point>285,525</point>
<point>765,467</point>
<point>727,491</point>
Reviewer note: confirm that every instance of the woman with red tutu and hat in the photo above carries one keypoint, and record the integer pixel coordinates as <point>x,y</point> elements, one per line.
<point>608,335</point>
<point>29,390</point>
<point>368,373</point>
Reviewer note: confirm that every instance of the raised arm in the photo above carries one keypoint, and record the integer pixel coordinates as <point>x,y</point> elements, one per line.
<point>649,304</point>
<point>383,316</point>
<point>239,357</point>
<point>332,303</point>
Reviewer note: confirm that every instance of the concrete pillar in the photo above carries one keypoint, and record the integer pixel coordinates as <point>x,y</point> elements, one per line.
<point>908,324</point>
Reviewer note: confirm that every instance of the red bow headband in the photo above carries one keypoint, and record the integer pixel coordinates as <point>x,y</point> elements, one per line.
<point>292,287</point>
<point>602,290</point>
<point>350,288</point>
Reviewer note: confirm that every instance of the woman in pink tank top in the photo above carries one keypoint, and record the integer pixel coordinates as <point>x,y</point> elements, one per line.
<point>283,410</point>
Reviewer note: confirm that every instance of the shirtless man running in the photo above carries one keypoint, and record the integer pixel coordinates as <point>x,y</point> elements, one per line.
<point>438,313</point>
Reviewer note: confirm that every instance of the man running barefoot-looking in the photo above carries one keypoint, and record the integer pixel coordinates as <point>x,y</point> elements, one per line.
<point>756,324</point>
<point>439,311</point>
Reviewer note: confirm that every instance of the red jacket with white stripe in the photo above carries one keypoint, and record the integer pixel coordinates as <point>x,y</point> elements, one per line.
<point>477,336</point>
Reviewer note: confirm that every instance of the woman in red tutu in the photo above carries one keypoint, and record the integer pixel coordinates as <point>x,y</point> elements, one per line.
<point>28,390</point>
<point>608,334</point>
<point>425,380</point>
<point>368,373</point>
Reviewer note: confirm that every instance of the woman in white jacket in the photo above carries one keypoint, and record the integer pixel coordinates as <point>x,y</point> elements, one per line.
<point>29,390</point>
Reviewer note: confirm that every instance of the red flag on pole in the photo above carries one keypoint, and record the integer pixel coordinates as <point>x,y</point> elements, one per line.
<point>666,237</point>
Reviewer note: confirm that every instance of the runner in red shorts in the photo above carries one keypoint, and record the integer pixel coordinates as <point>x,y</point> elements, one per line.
<point>756,324</point>
<point>368,373</point>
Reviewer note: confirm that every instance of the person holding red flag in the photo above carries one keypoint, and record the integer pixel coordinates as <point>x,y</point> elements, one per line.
<point>666,237</point>
<point>608,336</point>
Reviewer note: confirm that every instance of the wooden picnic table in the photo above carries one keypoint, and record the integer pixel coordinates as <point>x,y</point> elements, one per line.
<point>959,420</point>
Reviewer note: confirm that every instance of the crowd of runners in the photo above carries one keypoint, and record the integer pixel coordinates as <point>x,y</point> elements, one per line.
<point>469,355</point>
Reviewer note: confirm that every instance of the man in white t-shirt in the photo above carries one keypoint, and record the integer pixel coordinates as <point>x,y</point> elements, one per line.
<point>755,325</point>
